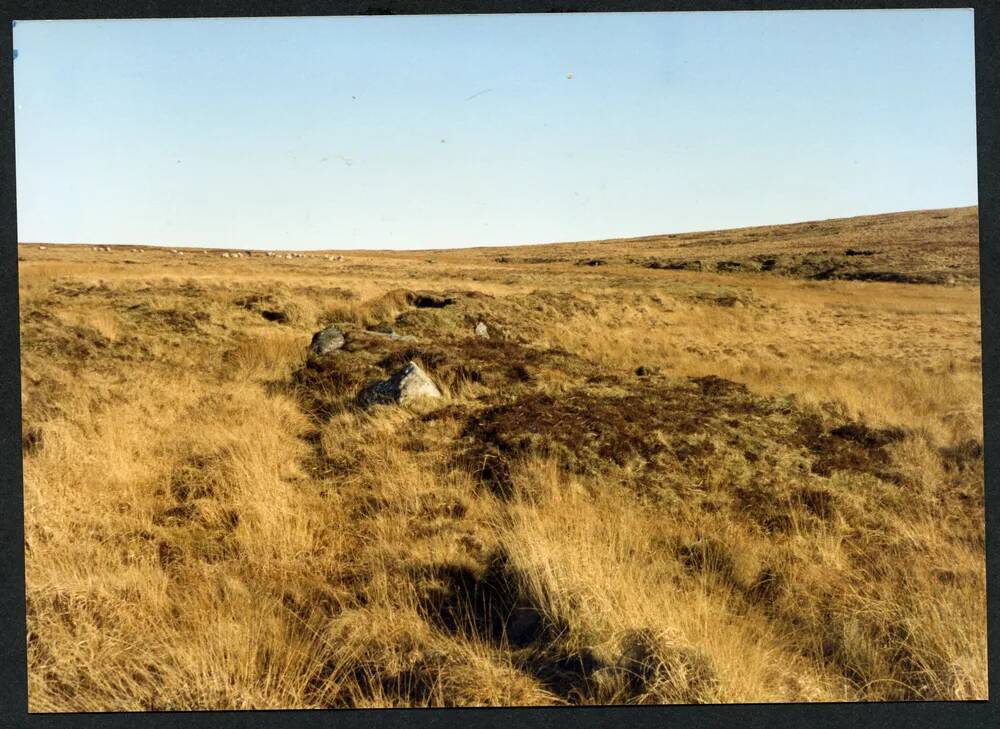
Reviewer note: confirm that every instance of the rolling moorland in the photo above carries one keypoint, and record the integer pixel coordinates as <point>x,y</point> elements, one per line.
<point>732,466</point>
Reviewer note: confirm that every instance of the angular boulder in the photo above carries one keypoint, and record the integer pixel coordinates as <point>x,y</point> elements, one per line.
<point>482,330</point>
<point>329,340</point>
<point>403,386</point>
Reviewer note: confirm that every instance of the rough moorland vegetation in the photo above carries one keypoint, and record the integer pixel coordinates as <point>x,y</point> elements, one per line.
<point>640,483</point>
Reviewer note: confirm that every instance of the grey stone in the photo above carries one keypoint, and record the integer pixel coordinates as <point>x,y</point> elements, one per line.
<point>391,335</point>
<point>403,386</point>
<point>329,340</point>
<point>482,331</point>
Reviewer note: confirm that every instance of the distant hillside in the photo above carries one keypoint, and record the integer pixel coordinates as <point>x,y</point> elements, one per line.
<point>927,246</point>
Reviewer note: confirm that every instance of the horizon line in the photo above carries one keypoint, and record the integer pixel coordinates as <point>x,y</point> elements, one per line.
<point>641,237</point>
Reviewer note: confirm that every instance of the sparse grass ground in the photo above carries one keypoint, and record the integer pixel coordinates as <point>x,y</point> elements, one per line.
<point>785,505</point>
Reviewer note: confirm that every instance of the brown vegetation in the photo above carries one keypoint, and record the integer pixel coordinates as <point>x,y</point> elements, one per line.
<point>648,485</point>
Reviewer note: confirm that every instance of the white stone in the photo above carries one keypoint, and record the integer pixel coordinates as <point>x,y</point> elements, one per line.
<point>403,386</point>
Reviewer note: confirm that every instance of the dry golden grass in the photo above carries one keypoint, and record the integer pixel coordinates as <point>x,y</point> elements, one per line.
<point>211,523</point>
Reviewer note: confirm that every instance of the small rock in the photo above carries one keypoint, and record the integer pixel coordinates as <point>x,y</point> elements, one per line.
<point>329,340</point>
<point>482,331</point>
<point>391,335</point>
<point>646,370</point>
<point>403,386</point>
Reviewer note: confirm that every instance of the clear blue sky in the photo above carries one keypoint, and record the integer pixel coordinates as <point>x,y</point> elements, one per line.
<point>440,131</point>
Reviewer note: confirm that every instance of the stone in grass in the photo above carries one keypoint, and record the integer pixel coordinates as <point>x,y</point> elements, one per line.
<point>391,335</point>
<point>403,386</point>
<point>329,340</point>
<point>482,331</point>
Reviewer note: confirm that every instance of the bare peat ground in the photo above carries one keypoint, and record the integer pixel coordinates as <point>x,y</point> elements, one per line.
<point>674,472</point>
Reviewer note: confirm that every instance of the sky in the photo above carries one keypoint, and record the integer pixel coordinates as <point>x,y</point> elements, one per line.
<point>447,131</point>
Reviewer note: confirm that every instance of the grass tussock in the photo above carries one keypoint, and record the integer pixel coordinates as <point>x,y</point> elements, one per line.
<point>646,485</point>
